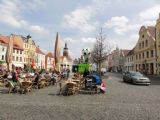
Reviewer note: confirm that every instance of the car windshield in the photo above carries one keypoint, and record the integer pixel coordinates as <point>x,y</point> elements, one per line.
<point>136,74</point>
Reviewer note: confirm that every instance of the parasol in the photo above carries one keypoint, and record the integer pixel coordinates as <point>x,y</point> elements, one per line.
<point>57,52</point>
<point>9,53</point>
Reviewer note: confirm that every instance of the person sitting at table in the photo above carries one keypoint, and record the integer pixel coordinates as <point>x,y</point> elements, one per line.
<point>37,77</point>
<point>47,76</point>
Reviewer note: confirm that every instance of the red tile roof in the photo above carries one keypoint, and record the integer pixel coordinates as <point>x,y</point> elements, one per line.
<point>50,55</point>
<point>39,51</point>
<point>5,40</point>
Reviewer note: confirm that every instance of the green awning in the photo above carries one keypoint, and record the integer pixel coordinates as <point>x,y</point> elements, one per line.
<point>2,62</point>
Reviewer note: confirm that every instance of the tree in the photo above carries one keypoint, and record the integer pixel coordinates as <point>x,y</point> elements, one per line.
<point>100,50</point>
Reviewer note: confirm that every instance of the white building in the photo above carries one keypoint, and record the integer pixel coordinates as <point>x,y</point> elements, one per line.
<point>49,61</point>
<point>3,49</point>
<point>40,59</point>
<point>17,59</point>
<point>129,62</point>
<point>66,60</point>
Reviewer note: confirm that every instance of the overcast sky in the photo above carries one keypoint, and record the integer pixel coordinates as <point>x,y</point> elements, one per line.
<point>77,21</point>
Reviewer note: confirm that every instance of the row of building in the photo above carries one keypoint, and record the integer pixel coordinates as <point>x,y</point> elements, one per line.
<point>144,57</point>
<point>27,54</point>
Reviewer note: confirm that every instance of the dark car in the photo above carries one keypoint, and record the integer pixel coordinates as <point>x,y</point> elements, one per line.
<point>136,78</point>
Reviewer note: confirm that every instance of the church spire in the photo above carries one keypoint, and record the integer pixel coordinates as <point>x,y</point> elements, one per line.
<point>65,50</point>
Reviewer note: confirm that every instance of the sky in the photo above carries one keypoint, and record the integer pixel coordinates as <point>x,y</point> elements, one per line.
<point>78,21</point>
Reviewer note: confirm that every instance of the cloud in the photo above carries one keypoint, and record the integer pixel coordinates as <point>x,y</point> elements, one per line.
<point>89,40</point>
<point>37,29</point>
<point>81,17</point>
<point>150,14</point>
<point>120,25</point>
<point>69,40</point>
<point>10,14</point>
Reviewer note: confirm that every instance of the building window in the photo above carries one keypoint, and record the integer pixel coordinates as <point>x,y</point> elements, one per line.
<point>3,49</point>
<point>146,43</point>
<point>14,51</point>
<point>142,55</point>
<point>139,56</point>
<point>20,59</point>
<point>142,36</point>
<point>13,58</point>
<point>152,53</point>
<point>20,51</point>
<point>2,57</point>
<point>139,45</point>
<point>143,44</point>
<point>147,54</point>
<point>17,51</point>
<point>136,57</point>
<point>16,58</point>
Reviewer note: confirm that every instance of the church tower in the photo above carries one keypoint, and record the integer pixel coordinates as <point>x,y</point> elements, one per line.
<point>65,50</point>
<point>158,44</point>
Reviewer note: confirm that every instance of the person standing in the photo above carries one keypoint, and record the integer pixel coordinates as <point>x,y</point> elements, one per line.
<point>68,72</point>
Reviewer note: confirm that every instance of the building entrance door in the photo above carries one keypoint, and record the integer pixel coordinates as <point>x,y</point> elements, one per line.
<point>151,68</point>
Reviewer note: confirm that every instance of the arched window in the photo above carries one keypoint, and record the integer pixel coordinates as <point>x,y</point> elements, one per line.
<point>2,57</point>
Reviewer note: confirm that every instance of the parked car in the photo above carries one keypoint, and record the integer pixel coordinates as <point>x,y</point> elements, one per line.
<point>135,78</point>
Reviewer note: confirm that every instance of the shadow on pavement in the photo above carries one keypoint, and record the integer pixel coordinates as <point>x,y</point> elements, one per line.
<point>4,91</point>
<point>155,82</point>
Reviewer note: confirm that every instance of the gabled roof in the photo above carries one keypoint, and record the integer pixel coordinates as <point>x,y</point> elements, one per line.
<point>39,51</point>
<point>131,52</point>
<point>152,31</point>
<point>51,55</point>
<point>124,52</point>
<point>5,40</point>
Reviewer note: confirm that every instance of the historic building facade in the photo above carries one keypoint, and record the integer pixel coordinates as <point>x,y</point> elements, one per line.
<point>3,48</point>
<point>116,60</point>
<point>49,61</point>
<point>66,60</point>
<point>40,59</point>
<point>17,59</point>
<point>129,61</point>
<point>145,51</point>
<point>29,51</point>
<point>158,44</point>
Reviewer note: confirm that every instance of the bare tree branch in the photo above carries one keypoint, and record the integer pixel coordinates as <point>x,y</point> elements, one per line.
<point>100,50</point>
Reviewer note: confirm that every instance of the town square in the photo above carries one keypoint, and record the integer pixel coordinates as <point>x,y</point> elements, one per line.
<point>84,60</point>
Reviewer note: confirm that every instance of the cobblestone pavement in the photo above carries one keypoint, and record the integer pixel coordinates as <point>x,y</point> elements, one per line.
<point>122,101</point>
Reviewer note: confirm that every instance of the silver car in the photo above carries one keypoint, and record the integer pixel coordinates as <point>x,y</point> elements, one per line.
<point>136,78</point>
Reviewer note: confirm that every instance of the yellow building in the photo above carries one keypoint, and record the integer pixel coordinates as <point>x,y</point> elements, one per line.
<point>158,44</point>
<point>145,51</point>
<point>29,51</point>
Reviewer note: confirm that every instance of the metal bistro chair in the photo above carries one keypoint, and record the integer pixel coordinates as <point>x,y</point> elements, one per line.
<point>26,86</point>
<point>70,88</point>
